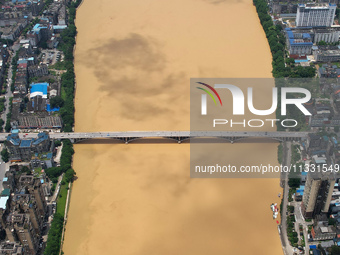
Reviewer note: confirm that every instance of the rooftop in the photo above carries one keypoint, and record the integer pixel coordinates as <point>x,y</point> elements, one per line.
<point>6,193</point>
<point>3,202</point>
<point>25,143</point>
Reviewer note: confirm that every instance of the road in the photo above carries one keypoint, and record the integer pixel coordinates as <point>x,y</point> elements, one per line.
<point>301,220</point>
<point>8,94</point>
<point>181,135</point>
<point>287,248</point>
<point>3,167</point>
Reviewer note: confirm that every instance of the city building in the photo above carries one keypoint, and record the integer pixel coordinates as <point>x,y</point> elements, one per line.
<point>19,228</point>
<point>43,161</point>
<point>326,53</point>
<point>23,149</point>
<point>38,97</point>
<point>278,7</point>
<point>311,15</point>
<point>328,35</point>
<point>37,70</point>
<point>317,194</point>
<point>11,248</point>
<point>44,122</point>
<point>321,230</point>
<point>298,43</point>
<point>318,34</point>
<point>26,203</point>
<point>12,32</point>
<point>37,6</point>
<point>35,188</point>
<point>326,71</point>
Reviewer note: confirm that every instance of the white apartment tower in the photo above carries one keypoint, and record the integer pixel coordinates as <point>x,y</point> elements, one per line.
<point>315,16</point>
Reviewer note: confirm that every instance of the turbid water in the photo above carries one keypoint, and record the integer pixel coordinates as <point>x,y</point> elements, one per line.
<point>133,60</point>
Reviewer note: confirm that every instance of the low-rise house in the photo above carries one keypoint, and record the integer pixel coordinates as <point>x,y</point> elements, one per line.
<point>12,248</point>
<point>322,231</point>
<point>327,54</point>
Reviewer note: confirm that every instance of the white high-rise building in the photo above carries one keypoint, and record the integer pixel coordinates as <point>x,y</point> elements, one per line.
<point>315,16</point>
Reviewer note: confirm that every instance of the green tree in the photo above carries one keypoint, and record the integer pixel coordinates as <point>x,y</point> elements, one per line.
<point>294,182</point>
<point>290,61</point>
<point>26,170</point>
<point>331,221</point>
<point>5,155</point>
<point>56,101</point>
<point>54,235</point>
<point>335,250</point>
<point>8,126</point>
<point>69,175</point>
<point>57,143</point>
<point>322,43</point>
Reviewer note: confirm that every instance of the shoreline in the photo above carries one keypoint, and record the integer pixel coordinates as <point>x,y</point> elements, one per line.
<point>69,192</point>
<point>70,183</point>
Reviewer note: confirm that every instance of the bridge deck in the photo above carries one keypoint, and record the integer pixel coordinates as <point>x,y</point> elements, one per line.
<point>166,134</point>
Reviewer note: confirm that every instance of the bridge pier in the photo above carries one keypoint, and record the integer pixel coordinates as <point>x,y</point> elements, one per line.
<point>232,139</point>
<point>76,140</point>
<point>129,139</point>
<point>182,138</point>
<point>179,139</point>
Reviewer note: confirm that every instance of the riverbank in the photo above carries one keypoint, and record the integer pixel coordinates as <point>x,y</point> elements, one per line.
<point>56,231</point>
<point>277,41</point>
<point>56,234</point>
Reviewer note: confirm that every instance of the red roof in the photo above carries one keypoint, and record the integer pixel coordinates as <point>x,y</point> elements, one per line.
<point>22,65</point>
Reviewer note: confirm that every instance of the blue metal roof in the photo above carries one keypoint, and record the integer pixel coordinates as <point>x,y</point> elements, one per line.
<point>306,36</point>
<point>39,87</point>
<point>334,140</point>
<point>25,143</point>
<point>293,43</point>
<point>292,40</point>
<point>38,27</point>
<point>14,139</point>
<point>15,131</point>
<point>41,137</point>
<point>55,109</point>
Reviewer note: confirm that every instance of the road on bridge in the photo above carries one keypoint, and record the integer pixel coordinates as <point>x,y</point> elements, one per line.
<point>178,135</point>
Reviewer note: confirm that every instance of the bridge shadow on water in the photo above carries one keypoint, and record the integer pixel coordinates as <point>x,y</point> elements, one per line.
<point>173,141</point>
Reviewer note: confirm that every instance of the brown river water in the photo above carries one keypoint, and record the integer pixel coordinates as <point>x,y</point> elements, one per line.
<point>133,60</point>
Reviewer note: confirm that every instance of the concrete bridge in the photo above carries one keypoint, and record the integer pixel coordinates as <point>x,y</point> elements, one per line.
<point>178,136</point>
